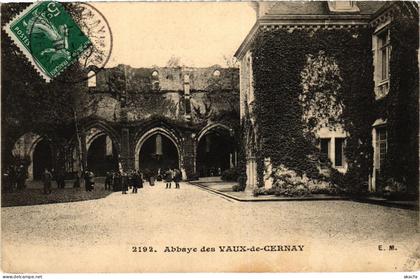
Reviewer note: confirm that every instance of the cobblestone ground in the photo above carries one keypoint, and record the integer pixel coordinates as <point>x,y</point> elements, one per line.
<point>99,235</point>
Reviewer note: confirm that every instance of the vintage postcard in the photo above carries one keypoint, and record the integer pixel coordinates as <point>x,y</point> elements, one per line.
<point>277,136</point>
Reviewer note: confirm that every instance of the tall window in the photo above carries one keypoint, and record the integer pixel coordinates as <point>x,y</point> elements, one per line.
<point>325,147</point>
<point>91,79</point>
<point>333,150</point>
<point>384,51</point>
<point>381,147</point>
<point>339,152</point>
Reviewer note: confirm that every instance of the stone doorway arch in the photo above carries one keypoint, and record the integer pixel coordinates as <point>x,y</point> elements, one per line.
<point>147,155</point>
<point>215,150</point>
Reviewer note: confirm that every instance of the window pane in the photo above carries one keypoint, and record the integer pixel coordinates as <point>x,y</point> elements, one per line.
<point>339,142</point>
<point>381,146</point>
<point>383,54</point>
<point>187,106</point>
<point>325,147</point>
<point>384,64</point>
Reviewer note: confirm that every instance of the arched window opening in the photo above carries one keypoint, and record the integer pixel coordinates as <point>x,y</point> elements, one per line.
<point>91,79</point>
<point>216,73</point>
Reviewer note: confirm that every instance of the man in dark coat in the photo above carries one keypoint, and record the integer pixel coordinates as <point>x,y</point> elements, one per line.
<point>168,178</point>
<point>124,182</point>
<point>5,182</point>
<point>135,181</point>
<point>61,183</point>
<point>21,177</point>
<point>89,180</point>
<point>12,177</point>
<point>108,180</point>
<point>116,186</point>
<point>177,178</point>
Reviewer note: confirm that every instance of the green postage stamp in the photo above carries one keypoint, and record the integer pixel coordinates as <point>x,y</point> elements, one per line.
<point>48,36</point>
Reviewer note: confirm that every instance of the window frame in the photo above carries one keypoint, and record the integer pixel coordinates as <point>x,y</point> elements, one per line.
<point>92,80</point>
<point>343,158</point>
<point>329,140</point>
<point>381,156</point>
<point>382,51</point>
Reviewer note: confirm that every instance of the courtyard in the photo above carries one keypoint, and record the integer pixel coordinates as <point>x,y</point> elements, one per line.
<point>110,233</point>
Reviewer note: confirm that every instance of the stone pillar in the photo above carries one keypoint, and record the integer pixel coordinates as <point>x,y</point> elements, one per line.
<point>187,97</point>
<point>268,168</point>
<point>84,149</point>
<point>188,159</point>
<point>125,149</point>
<point>251,173</point>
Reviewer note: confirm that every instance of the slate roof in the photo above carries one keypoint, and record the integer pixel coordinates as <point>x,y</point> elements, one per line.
<point>319,8</point>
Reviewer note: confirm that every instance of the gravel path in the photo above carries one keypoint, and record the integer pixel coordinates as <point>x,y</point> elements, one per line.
<point>99,235</point>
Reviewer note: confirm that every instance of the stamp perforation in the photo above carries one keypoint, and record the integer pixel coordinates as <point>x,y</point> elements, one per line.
<point>61,57</point>
<point>18,43</point>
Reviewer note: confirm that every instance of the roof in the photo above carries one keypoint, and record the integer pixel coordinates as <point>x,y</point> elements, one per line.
<point>310,12</point>
<point>320,8</point>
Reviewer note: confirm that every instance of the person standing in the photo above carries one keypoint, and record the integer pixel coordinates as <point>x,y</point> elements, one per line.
<point>124,182</point>
<point>61,183</point>
<point>5,182</point>
<point>140,179</point>
<point>135,181</point>
<point>168,178</point>
<point>12,177</point>
<point>177,178</point>
<point>21,177</point>
<point>116,186</point>
<point>89,180</point>
<point>47,182</point>
<point>108,180</point>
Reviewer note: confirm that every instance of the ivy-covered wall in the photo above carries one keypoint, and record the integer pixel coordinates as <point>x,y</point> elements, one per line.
<point>279,57</point>
<point>145,95</point>
<point>400,106</point>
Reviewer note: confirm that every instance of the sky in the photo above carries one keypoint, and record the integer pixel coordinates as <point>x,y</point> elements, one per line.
<point>200,33</point>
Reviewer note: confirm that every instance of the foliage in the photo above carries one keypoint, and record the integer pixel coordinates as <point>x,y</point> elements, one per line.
<point>321,93</point>
<point>241,184</point>
<point>393,186</point>
<point>174,62</point>
<point>279,59</point>
<point>31,104</point>
<point>231,174</point>
<point>287,182</point>
<point>400,106</point>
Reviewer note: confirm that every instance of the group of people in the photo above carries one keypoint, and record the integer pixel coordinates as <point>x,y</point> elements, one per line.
<point>121,180</point>
<point>49,176</point>
<point>172,175</point>
<point>14,178</point>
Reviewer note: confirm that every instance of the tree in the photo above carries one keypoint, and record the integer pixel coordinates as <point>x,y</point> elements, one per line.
<point>174,62</point>
<point>30,104</point>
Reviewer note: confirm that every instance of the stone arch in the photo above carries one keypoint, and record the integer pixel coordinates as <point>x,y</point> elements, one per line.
<point>92,131</point>
<point>102,148</point>
<point>212,126</point>
<point>140,140</point>
<point>25,147</point>
<point>215,151</point>
<point>106,129</point>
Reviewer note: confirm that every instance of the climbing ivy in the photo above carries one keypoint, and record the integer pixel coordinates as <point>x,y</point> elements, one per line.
<point>400,106</point>
<point>279,63</point>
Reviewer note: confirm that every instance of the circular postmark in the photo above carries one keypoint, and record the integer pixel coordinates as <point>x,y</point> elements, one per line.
<point>70,42</point>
